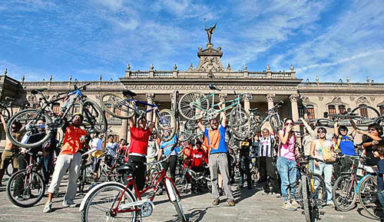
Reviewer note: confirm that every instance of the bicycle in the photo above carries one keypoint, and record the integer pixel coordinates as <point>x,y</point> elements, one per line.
<point>367,194</point>
<point>7,107</point>
<point>26,187</point>
<point>112,200</point>
<point>125,108</point>
<point>94,118</point>
<point>311,191</point>
<point>351,118</point>
<point>195,105</point>
<point>201,179</point>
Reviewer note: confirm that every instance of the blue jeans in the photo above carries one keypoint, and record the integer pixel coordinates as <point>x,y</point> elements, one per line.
<point>380,196</point>
<point>325,170</point>
<point>288,175</point>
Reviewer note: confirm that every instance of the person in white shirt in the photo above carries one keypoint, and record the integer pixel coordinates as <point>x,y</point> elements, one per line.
<point>95,144</point>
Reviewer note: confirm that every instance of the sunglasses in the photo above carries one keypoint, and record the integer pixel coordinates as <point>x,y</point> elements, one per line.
<point>372,130</point>
<point>321,131</point>
<point>286,124</point>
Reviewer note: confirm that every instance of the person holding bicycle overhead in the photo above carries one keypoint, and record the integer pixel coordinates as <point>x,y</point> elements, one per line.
<point>140,133</point>
<point>9,150</point>
<point>167,149</point>
<point>69,158</point>
<point>321,149</point>
<point>218,160</point>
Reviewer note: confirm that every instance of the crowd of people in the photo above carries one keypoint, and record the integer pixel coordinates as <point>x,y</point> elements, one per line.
<point>277,154</point>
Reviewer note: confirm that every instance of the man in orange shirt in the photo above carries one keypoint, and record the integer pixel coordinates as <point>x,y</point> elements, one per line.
<point>69,158</point>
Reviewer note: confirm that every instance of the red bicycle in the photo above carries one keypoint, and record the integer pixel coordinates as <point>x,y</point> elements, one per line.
<point>112,201</point>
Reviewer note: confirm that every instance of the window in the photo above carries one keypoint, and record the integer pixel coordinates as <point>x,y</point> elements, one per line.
<point>363,110</point>
<point>56,108</point>
<point>331,109</point>
<point>342,109</point>
<point>310,112</point>
<point>301,111</point>
<point>381,110</point>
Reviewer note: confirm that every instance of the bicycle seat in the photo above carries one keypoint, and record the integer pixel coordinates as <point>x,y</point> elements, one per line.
<point>125,168</point>
<point>36,91</point>
<point>128,93</point>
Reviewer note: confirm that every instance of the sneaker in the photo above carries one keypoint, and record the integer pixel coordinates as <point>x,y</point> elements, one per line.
<point>288,206</point>
<point>47,207</point>
<point>231,203</point>
<point>294,204</point>
<point>69,204</point>
<point>215,202</point>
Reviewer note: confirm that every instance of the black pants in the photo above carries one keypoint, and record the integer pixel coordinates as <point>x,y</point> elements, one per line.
<point>171,163</point>
<point>268,174</point>
<point>194,183</point>
<point>138,165</point>
<point>244,169</point>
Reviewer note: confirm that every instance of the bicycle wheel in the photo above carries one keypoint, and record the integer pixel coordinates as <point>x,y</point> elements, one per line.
<point>100,204</point>
<point>238,117</point>
<point>117,106</point>
<point>306,198</point>
<point>9,168</point>
<point>94,117</point>
<point>25,188</point>
<point>241,132</point>
<point>343,193</point>
<point>276,123</point>
<point>368,196</point>
<point>174,197</point>
<point>316,187</point>
<point>189,104</point>
<point>28,120</point>
<point>166,122</point>
<point>185,135</point>
<point>365,115</point>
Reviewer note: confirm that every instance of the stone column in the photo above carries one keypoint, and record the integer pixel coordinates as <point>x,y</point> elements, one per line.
<point>270,98</point>
<point>247,104</point>
<point>295,111</point>
<point>150,97</point>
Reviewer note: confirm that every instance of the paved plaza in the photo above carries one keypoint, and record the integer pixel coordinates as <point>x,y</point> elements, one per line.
<point>252,205</point>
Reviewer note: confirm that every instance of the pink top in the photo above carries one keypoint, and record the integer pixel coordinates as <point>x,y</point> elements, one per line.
<point>288,150</point>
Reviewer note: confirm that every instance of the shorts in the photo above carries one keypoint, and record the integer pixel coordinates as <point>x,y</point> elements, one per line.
<point>6,157</point>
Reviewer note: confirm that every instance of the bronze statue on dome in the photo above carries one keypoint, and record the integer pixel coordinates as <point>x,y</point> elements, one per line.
<point>210,33</point>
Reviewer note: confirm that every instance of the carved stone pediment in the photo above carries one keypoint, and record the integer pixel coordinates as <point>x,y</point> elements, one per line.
<point>362,100</point>
<point>210,60</point>
<point>336,101</point>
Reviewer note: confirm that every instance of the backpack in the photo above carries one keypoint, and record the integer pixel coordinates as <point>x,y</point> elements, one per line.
<point>338,141</point>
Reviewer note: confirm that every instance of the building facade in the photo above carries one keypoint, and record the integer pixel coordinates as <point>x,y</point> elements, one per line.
<point>260,89</point>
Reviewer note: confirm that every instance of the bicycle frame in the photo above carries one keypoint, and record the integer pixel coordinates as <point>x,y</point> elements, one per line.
<point>233,102</point>
<point>161,175</point>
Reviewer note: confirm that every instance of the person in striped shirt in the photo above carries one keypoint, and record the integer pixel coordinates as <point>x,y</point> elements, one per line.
<point>266,154</point>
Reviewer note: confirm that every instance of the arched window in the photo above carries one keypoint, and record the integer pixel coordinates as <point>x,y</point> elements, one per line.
<point>381,110</point>
<point>342,109</point>
<point>363,110</point>
<point>331,109</point>
<point>310,111</point>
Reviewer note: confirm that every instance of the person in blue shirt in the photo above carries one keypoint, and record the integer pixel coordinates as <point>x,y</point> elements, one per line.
<point>345,144</point>
<point>218,160</point>
<point>166,150</point>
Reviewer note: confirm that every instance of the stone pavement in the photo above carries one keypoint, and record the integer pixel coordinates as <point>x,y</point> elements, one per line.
<point>252,205</point>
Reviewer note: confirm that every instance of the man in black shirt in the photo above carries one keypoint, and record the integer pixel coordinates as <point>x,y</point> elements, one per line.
<point>244,162</point>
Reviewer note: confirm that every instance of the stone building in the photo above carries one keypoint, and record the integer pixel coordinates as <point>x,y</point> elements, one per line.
<point>260,89</point>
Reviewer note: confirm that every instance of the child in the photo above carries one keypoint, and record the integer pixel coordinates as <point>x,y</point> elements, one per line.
<point>197,164</point>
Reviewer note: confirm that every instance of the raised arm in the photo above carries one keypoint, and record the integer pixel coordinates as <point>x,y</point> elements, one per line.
<point>201,125</point>
<point>308,127</point>
<point>131,122</point>
<point>283,136</point>
<point>223,116</point>
<point>336,128</point>
<point>3,122</point>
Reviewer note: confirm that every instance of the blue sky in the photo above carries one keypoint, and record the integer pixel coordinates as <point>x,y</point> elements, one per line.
<point>332,39</point>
